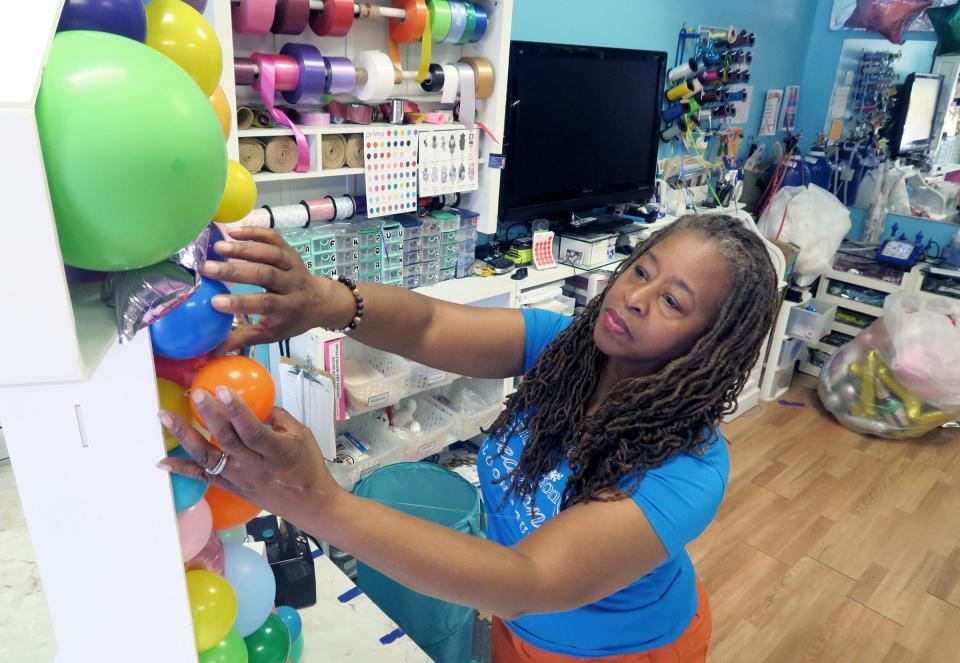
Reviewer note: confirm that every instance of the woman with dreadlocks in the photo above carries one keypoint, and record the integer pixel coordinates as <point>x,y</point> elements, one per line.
<point>604,465</point>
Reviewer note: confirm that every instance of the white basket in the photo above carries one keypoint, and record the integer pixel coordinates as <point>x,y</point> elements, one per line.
<point>382,451</point>
<point>422,377</point>
<point>468,423</point>
<point>380,394</point>
<point>435,422</point>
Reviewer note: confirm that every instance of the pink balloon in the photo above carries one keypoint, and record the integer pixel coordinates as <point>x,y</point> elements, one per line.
<point>210,558</point>
<point>195,525</point>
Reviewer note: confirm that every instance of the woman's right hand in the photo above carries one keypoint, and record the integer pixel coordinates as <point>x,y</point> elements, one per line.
<point>294,300</point>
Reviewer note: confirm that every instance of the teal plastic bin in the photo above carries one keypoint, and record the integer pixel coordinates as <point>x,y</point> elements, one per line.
<point>443,630</point>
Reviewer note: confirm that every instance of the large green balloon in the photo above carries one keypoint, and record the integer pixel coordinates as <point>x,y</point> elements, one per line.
<point>270,643</point>
<point>232,649</point>
<point>296,650</point>
<point>134,152</point>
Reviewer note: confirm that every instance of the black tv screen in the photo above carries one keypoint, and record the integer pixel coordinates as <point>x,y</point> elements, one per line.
<point>582,128</point>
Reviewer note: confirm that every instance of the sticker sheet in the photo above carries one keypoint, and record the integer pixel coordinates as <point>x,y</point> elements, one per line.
<point>390,160</point>
<point>448,161</point>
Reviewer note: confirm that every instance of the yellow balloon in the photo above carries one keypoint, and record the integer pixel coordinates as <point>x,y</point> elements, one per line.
<point>182,34</point>
<point>173,398</point>
<point>239,195</point>
<point>213,604</point>
<point>219,102</point>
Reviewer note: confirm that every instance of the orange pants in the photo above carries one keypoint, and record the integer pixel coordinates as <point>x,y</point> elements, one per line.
<point>690,647</point>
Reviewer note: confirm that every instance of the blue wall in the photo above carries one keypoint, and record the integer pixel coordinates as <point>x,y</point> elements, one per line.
<point>782,28</point>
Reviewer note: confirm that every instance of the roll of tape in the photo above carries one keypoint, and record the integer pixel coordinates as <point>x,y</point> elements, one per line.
<point>451,86</point>
<point>440,17</point>
<point>335,20</point>
<point>468,94</point>
<point>290,216</point>
<point>483,75</point>
<point>434,80</point>
<point>471,23</point>
<point>355,150</point>
<point>410,28</point>
<point>483,20</point>
<point>312,78</point>
<point>244,118</point>
<point>458,22</point>
<point>341,75</point>
<point>320,210</point>
<point>254,16</point>
<point>334,151</point>
<point>286,71</point>
<point>281,155</point>
<point>291,17</point>
<point>379,68</point>
<point>252,154</point>
<point>244,71</point>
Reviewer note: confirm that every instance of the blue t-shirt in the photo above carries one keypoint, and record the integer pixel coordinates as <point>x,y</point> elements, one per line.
<point>680,499</point>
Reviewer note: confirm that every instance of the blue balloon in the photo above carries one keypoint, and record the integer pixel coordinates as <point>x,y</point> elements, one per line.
<point>187,491</point>
<point>252,580</point>
<point>216,235</point>
<point>126,18</point>
<point>292,619</point>
<point>194,327</point>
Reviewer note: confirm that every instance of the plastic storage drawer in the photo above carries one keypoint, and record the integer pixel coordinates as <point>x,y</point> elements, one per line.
<point>449,262</point>
<point>432,253</point>
<point>811,320</point>
<point>430,267</point>
<point>324,243</point>
<point>411,244</point>
<point>348,256</point>
<point>326,272</point>
<point>411,269</point>
<point>370,277</point>
<point>452,237</point>
<point>362,452</point>
<point>370,252</point>
<point>393,275</point>
<point>447,274</point>
<point>429,226</point>
<point>394,247</point>
<point>429,278</point>
<point>324,260</point>
<point>447,250</point>
<point>430,241</point>
<point>789,352</point>
<point>412,257</point>
<point>411,282</point>
<point>393,260</point>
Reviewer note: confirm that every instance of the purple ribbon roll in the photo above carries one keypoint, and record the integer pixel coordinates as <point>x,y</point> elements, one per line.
<point>291,17</point>
<point>313,73</point>
<point>244,71</point>
<point>341,75</point>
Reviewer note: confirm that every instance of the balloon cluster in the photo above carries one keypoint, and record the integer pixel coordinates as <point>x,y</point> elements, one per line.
<point>132,124</point>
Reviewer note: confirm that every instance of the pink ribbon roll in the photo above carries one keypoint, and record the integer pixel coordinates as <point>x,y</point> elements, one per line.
<point>254,16</point>
<point>308,118</point>
<point>286,71</point>
<point>320,210</point>
<point>356,113</point>
<point>266,83</point>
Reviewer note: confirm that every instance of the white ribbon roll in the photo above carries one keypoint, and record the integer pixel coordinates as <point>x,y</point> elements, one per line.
<point>290,216</point>
<point>468,95</point>
<point>380,76</point>
<point>451,83</point>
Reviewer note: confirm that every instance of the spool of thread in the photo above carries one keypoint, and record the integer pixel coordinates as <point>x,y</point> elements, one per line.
<point>290,216</point>
<point>380,75</point>
<point>252,154</point>
<point>712,95</point>
<point>341,75</point>
<point>280,154</point>
<point>335,20</point>
<point>739,95</point>
<point>334,151</point>
<point>681,71</point>
<point>744,39</point>
<point>671,132</point>
<point>291,17</point>
<point>245,118</point>
<point>254,16</point>
<point>320,210</point>
<point>711,59</point>
<point>483,76</point>
<point>692,105</point>
<point>359,205</point>
<point>679,91</point>
<point>312,78</point>
<point>740,76</point>
<point>708,75</point>
<point>355,150</point>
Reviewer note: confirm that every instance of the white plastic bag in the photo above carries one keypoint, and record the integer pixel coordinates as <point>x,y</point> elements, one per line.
<point>813,219</point>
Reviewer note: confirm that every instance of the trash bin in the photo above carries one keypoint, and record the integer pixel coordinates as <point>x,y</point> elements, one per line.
<point>443,630</point>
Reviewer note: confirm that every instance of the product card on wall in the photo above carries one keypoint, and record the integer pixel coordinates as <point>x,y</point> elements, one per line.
<point>448,161</point>
<point>391,170</point>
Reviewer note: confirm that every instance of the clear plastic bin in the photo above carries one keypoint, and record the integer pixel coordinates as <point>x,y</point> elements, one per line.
<point>451,237</point>
<point>449,250</point>
<point>448,262</point>
<point>374,265</point>
<point>394,260</point>
<point>370,277</point>
<point>468,246</point>
<point>430,241</point>
<point>789,352</point>
<point>467,234</point>
<point>472,403</point>
<point>429,278</point>
<point>423,377</point>
<point>411,244</point>
<point>370,252</point>
<point>370,234</point>
<point>411,282</point>
<point>324,260</point>
<point>363,452</point>
<point>464,269</point>
<point>468,218</point>
<point>365,390</point>
<point>326,272</point>
<point>346,235</point>
<point>350,271</point>
<point>429,266</point>
<point>393,275</point>
<point>429,227</point>
<point>434,424</point>
<point>432,253</point>
<point>447,274</point>
<point>782,379</point>
<point>811,320</point>
<point>323,243</point>
<point>394,247</point>
<point>412,257</point>
<point>397,283</point>
<point>392,232</point>
<point>348,256</point>
<point>411,269</point>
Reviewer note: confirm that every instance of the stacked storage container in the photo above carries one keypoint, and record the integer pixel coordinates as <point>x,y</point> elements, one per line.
<point>412,252</point>
<point>392,253</point>
<point>323,246</point>
<point>467,248</point>
<point>348,250</point>
<point>370,249</point>
<point>449,242</point>
<point>430,251</point>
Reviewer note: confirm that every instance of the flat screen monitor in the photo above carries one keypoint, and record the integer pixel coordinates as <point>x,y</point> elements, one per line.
<point>916,109</point>
<point>582,128</point>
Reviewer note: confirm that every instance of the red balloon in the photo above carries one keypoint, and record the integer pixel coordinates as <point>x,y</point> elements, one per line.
<point>181,371</point>
<point>887,17</point>
<point>248,378</point>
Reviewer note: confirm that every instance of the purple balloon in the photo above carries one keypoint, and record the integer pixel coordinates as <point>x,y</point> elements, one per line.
<point>199,5</point>
<point>126,18</point>
<point>216,235</point>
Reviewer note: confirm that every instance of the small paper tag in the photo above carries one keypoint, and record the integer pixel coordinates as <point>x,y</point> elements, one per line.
<point>497,161</point>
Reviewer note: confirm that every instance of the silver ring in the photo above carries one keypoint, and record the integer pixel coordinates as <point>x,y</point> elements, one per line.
<point>219,467</point>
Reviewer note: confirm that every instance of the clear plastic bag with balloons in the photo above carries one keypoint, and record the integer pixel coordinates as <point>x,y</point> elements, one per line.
<point>900,377</point>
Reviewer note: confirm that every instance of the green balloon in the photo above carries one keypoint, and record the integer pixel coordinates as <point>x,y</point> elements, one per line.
<point>270,643</point>
<point>134,153</point>
<point>296,650</point>
<point>232,649</point>
<point>946,23</point>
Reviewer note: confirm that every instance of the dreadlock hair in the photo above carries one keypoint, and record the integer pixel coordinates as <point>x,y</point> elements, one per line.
<point>644,421</point>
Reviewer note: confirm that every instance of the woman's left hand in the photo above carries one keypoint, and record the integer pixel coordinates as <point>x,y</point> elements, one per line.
<point>276,466</point>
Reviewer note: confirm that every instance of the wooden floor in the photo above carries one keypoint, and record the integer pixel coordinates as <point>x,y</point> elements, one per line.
<point>832,546</point>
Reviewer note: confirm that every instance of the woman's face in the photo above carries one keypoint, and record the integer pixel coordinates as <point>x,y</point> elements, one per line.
<point>663,303</point>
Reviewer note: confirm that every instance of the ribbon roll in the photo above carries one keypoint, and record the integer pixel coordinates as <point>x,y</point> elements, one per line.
<point>435,79</point>
<point>458,21</point>
<point>480,29</point>
<point>356,113</point>
<point>341,75</point>
<point>451,85</point>
<point>266,84</point>
<point>673,113</point>
<point>359,205</point>
<point>483,75</point>
<point>345,207</point>
<point>308,118</point>
<point>320,210</point>
<point>471,23</point>
<point>440,18</point>
<point>254,16</point>
<point>679,92</point>
<point>673,131</point>
<point>286,72</point>
<point>680,72</point>
<point>312,78</point>
<point>291,18</point>
<point>281,155</point>
<point>708,76</point>
<point>695,88</point>
<point>408,29</point>
<point>252,154</point>
<point>468,94</point>
<point>355,150</point>
<point>244,118</point>
<point>335,20</point>
<point>290,216</point>
<point>244,71</point>
<point>334,151</point>
<point>258,218</point>
<point>380,75</point>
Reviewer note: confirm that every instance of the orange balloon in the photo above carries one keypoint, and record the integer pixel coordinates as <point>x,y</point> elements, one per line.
<point>245,376</point>
<point>229,510</point>
<point>219,102</point>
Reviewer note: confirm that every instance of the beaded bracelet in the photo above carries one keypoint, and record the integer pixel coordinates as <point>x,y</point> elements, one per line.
<point>358,313</point>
